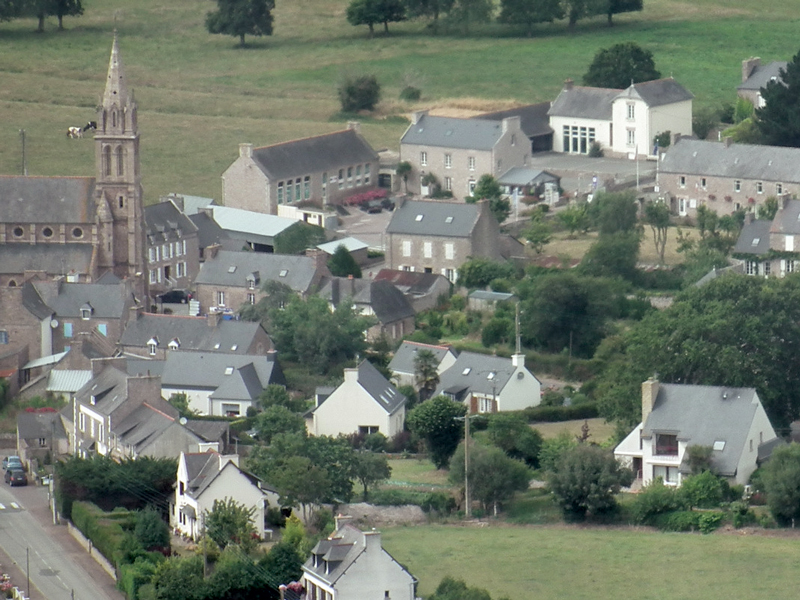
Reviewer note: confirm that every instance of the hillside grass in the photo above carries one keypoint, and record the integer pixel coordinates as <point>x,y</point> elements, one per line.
<point>574,563</point>
<point>200,96</point>
<point>599,431</point>
<point>415,472</point>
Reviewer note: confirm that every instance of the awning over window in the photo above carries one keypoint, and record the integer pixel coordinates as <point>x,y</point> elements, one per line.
<point>188,511</point>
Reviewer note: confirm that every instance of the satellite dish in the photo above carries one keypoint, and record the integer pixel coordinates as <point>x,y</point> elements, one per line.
<point>183,420</point>
<point>54,323</point>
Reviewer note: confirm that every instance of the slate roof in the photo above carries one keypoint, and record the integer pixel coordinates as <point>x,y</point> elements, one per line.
<point>341,550</point>
<point>47,199</point>
<point>658,92</point>
<point>192,333</point>
<point>208,230</point>
<point>231,376</point>
<point>299,275</point>
<point>476,373</point>
<point>165,222</point>
<point>190,205</point>
<point>446,219</point>
<point>787,219</point>
<point>379,388</point>
<point>584,102</point>
<point>704,414</point>
<point>143,426</point>
<point>203,468</point>
<point>314,154</point>
<point>740,161</point>
<point>491,296</point>
<point>142,366</point>
<point>533,118</point>
<point>754,238</point>
<point>107,301</point>
<point>53,259</point>
<point>526,176</point>
<point>40,425</point>
<point>109,388</point>
<point>762,75</point>
<point>387,302</point>
<point>208,431</point>
<point>449,132</point>
<point>403,360</point>
<point>414,283</point>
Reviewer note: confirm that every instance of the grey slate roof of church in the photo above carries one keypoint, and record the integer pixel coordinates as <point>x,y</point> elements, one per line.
<point>47,199</point>
<point>762,75</point>
<point>314,154</point>
<point>50,258</point>
<point>449,132</point>
<point>435,215</point>
<point>742,161</point>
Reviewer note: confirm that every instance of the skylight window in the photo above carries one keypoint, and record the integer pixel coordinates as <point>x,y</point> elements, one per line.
<point>448,220</point>
<point>466,371</point>
<point>283,273</point>
<point>491,375</point>
<point>228,370</point>
<point>756,241</point>
<point>719,445</point>
<point>216,346</point>
<point>234,347</point>
<point>419,218</point>
<point>232,269</point>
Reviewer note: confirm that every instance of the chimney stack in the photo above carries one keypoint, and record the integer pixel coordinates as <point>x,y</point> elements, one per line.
<point>354,125</point>
<point>748,66</point>
<point>372,541</point>
<point>213,318</point>
<point>728,140</point>
<point>246,150</point>
<point>417,115</point>
<point>341,520</point>
<point>649,394</point>
<point>568,84</point>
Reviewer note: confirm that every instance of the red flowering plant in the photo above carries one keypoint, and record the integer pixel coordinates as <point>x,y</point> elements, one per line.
<point>358,199</point>
<point>751,200</point>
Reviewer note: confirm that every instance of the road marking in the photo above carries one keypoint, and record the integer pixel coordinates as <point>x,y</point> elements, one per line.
<point>2,506</point>
<point>15,505</point>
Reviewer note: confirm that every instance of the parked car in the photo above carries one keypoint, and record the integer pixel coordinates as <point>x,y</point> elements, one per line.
<point>16,477</point>
<point>13,462</point>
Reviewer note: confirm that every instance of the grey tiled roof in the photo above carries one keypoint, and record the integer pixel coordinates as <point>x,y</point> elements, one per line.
<point>762,75</point>
<point>54,259</point>
<point>414,283</point>
<point>107,301</point>
<point>403,360</point>
<point>299,276</point>
<point>47,199</point>
<point>32,300</point>
<point>704,414</point>
<point>208,431</point>
<point>478,373</point>
<point>377,386</point>
<point>448,132</point>
<point>754,238</point>
<point>742,161</point>
<point>787,219</point>
<point>584,102</point>
<point>143,426</point>
<point>164,222</point>
<point>447,219</point>
<point>314,154</point>
<point>533,118</point>
<point>341,550</point>
<point>40,425</point>
<point>658,92</point>
<point>208,231</point>
<point>109,388</point>
<point>526,176</point>
<point>387,302</point>
<point>491,296</point>
<point>192,333</point>
<point>142,366</point>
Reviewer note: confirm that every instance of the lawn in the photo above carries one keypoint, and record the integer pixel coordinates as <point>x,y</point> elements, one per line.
<point>413,472</point>
<point>599,430</point>
<point>573,563</point>
<point>199,95</point>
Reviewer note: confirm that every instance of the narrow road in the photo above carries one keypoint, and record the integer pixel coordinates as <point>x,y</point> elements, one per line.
<point>57,565</point>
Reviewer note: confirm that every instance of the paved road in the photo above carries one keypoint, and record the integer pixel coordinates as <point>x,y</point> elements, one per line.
<point>57,563</point>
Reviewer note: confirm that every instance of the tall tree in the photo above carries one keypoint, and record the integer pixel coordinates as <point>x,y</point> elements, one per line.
<point>428,8</point>
<point>151,530</point>
<point>241,17</point>
<point>620,65</point>
<point>278,419</point>
<point>436,422</point>
<point>426,374</point>
<point>467,12</point>
<point>656,215</point>
<point>530,12</point>
<point>372,12</point>
<point>781,477</point>
<point>620,6</point>
<point>65,8</point>
<point>576,10</point>
<point>493,476</point>
<point>511,433</point>
<point>489,189</point>
<point>779,119</point>
<point>342,264</point>
<point>403,170</point>
<point>614,212</point>
<point>370,468</point>
<point>229,522</point>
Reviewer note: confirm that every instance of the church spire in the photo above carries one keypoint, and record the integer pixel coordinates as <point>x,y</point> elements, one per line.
<point>116,84</point>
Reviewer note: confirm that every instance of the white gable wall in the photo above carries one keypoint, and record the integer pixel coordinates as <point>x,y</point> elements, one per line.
<point>760,431</point>
<point>198,399</point>
<point>521,391</point>
<point>349,407</point>
<point>639,124</point>
<point>373,574</point>
<point>602,131</point>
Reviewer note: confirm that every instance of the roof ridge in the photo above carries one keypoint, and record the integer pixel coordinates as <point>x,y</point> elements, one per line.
<point>161,412</point>
<point>440,346</point>
<point>311,137</point>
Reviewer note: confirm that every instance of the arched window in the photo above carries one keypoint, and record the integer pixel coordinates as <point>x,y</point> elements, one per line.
<point>107,160</point>
<point>120,161</point>
<point>113,118</point>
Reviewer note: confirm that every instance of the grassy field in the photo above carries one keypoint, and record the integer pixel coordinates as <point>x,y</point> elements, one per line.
<point>199,95</point>
<point>416,472</point>
<point>599,430</point>
<point>572,563</point>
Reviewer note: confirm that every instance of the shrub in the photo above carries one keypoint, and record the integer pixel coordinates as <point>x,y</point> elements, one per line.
<point>438,502</point>
<point>133,576</point>
<point>103,529</point>
<point>410,93</point>
<point>595,150</point>
<point>710,521</point>
<point>703,491</point>
<point>741,514</point>
<point>375,442</point>
<point>679,520</point>
<point>654,499</point>
<point>556,414</point>
<point>359,93</point>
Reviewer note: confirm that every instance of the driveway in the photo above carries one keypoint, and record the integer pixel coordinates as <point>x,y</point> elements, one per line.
<point>577,171</point>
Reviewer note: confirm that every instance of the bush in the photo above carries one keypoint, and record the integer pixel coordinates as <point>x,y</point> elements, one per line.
<point>133,576</point>
<point>396,497</point>
<point>595,151</point>
<point>679,520</point>
<point>359,93</point>
<point>410,93</point>
<point>710,521</point>
<point>703,491</point>
<point>438,502</point>
<point>655,499</point>
<point>556,414</point>
<point>741,514</point>
<point>103,529</point>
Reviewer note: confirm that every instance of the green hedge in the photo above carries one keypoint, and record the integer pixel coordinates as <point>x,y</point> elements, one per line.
<point>133,576</point>
<point>440,502</point>
<point>104,530</point>
<point>554,414</point>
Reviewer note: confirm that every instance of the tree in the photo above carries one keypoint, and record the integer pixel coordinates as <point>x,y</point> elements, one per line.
<point>371,468</point>
<point>229,522</point>
<point>276,394</point>
<point>494,477</point>
<point>456,589</point>
<point>300,482</point>
<point>529,12</point>
<point>342,264</point>
<point>480,272</point>
<point>427,8</point>
<point>574,218</point>
<point>779,119</point>
<point>489,189</point>
<point>703,121</point>
<point>582,9</point>
<point>296,238</point>
<point>614,212</point>
<point>426,373</point>
<point>586,480</point>
<point>768,209</point>
<point>151,530</point>
<point>781,479</point>
<point>613,255</point>
<point>403,170</point>
<point>283,562</point>
<point>616,7</point>
<point>371,12</point>
<point>511,433</point>
<point>357,93</point>
<point>467,12</point>
<point>436,422</point>
<point>181,403</point>
<point>621,65</point>
<point>236,576</point>
<point>179,578</point>
<point>241,17</point>
<point>278,419</point>
<point>656,215</point>
<point>538,233</point>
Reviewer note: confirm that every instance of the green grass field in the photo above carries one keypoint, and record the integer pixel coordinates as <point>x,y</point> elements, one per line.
<point>199,95</point>
<point>573,563</point>
<point>416,472</point>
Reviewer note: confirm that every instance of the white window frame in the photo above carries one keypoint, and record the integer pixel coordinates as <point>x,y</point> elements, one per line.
<point>759,187</point>
<point>471,163</point>
<point>406,248</point>
<point>737,185</point>
<point>779,188</point>
<point>449,251</point>
<point>448,183</point>
<point>631,111</point>
<point>427,249</point>
<point>448,161</point>
<point>220,298</point>
<point>631,139</point>
<point>423,159</point>
<point>682,181</point>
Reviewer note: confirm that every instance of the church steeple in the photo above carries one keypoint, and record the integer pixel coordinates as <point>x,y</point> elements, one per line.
<point>116,84</point>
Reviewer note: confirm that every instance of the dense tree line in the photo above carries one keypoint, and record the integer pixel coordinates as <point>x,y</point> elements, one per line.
<point>40,10</point>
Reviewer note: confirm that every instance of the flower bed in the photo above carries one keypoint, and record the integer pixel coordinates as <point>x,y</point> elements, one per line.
<point>359,199</point>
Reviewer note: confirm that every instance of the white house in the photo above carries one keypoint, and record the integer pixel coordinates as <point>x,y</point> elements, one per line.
<point>352,565</point>
<point>624,122</point>
<point>364,403</point>
<point>488,384</point>
<point>204,477</point>
<point>730,420</point>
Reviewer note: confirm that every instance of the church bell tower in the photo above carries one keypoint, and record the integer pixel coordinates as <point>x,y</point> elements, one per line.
<point>118,188</point>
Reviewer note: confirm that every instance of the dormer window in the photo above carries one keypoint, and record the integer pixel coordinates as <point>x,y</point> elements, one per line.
<point>152,344</point>
<point>174,344</point>
<point>86,311</point>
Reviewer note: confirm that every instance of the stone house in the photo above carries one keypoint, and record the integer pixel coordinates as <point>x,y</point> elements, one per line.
<point>324,169</point>
<point>423,290</point>
<point>756,76</point>
<point>534,123</point>
<point>726,177</point>
<point>457,152</point>
<point>622,122</point>
<point>768,247</point>
<point>173,254</point>
<point>438,237</point>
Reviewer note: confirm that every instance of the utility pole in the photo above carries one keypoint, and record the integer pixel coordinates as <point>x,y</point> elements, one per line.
<point>24,161</point>
<point>468,509</point>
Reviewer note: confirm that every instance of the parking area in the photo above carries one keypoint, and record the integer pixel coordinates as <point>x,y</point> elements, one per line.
<point>367,227</point>
<point>577,172</point>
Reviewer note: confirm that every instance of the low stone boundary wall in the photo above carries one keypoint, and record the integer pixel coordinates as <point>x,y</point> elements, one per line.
<point>87,545</point>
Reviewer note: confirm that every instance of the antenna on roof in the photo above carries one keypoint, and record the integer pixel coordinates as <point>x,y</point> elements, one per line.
<point>516,324</point>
